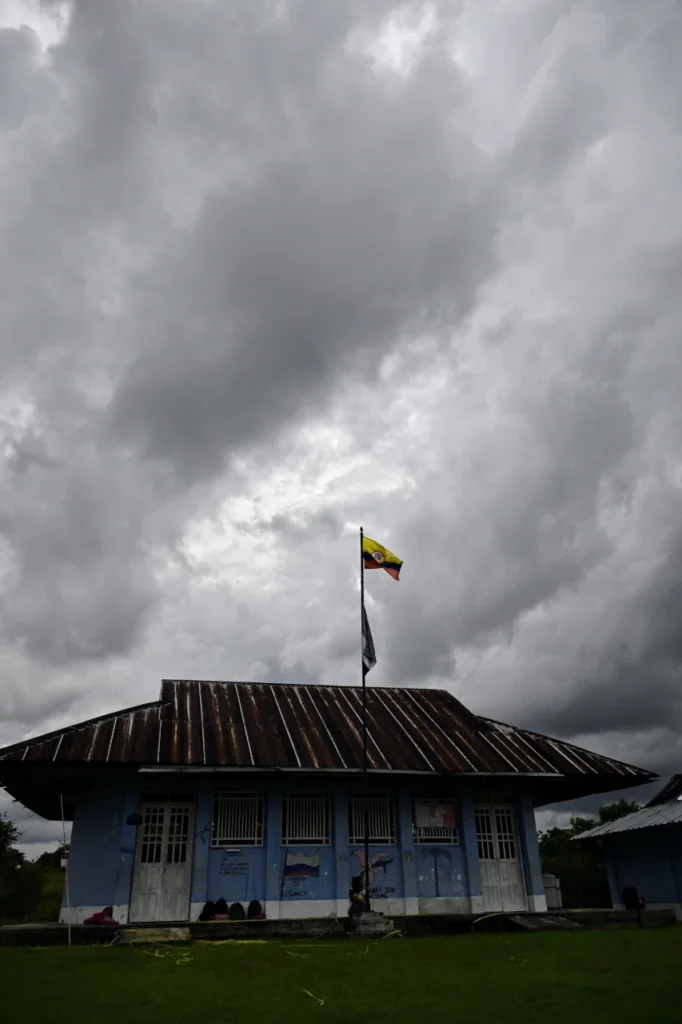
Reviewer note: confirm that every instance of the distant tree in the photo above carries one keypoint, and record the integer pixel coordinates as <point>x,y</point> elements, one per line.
<point>53,858</point>
<point>11,860</point>
<point>29,890</point>
<point>9,834</point>
<point>611,812</point>
<point>580,866</point>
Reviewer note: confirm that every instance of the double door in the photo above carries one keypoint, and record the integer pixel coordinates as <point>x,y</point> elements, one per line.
<point>163,862</point>
<point>502,882</point>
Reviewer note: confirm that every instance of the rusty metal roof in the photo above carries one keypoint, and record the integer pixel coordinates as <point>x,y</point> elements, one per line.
<point>261,726</point>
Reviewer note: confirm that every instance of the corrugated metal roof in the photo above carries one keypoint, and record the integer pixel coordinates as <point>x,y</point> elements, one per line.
<point>259,725</point>
<point>671,791</point>
<point>645,817</point>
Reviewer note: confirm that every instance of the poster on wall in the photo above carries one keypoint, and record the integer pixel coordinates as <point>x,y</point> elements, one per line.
<point>434,814</point>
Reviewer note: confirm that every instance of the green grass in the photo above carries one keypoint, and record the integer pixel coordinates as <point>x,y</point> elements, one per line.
<point>583,978</point>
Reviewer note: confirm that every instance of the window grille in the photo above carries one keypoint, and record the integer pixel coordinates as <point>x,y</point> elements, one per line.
<point>496,833</point>
<point>305,819</point>
<point>178,834</point>
<point>506,834</point>
<point>435,822</point>
<point>381,819</point>
<point>485,836</point>
<point>238,819</point>
<point>152,834</point>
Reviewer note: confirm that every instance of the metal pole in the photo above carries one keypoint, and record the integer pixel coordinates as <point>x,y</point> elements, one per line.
<point>66,870</point>
<point>365,801</point>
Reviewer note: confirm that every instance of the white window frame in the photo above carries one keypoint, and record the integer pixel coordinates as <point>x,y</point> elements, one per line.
<point>434,835</point>
<point>306,820</point>
<point>382,820</point>
<point>238,820</point>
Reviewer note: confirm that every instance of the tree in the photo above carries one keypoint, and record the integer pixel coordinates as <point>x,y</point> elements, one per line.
<point>53,858</point>
<point>11,860</point>
<point>580,866</point>
<point>29,890</point>
<point>611,812</point>
<point>9,834</point>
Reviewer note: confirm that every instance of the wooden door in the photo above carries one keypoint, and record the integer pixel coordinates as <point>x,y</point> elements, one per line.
<point>502,882</point>
<point>163,863</point>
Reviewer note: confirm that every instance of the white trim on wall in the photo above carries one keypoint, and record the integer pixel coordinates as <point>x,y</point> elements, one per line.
<point>296,910</point>
<point>537,903</point>
<point>432,905</point>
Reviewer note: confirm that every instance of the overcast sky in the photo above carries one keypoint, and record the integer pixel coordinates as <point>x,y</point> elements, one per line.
<point>273,269</point>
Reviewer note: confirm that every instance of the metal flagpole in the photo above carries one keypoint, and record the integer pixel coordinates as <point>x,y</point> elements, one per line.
<point>66,870</point>
<point>365,801</point>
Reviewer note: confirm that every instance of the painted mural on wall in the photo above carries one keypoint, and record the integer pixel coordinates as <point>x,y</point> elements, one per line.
<point>440,871</point>
<point>383,872</point>
<point>299,870</point>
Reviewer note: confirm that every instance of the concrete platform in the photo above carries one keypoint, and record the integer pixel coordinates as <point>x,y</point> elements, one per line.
<point>437,924</point>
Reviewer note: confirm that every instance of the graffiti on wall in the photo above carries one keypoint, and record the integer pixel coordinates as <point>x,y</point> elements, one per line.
<point>235,869</point>
<point>232,866</point>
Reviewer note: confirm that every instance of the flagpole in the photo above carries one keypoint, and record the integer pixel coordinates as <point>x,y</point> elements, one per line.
<point>365,802</point>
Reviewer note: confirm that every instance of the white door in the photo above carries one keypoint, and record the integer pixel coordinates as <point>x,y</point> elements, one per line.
<point>163,863</point>
<point>502,882</point>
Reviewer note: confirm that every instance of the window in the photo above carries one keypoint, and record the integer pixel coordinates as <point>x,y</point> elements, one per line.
<point>380,819</point>
<point>237,819</point>
<point>152,835</point>
<point>435,821</point>
<point>178,834</point>
<point>496,833</point>
<point>305,819</point>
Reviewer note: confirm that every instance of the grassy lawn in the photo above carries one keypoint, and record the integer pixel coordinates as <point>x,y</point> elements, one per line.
<point>581,978</point>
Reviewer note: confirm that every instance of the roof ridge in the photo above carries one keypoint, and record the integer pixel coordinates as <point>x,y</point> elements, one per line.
<point>316,686</point>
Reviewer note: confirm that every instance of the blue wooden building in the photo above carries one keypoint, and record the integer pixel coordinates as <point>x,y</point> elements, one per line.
<point>644,850</point>
<point>251,791</point>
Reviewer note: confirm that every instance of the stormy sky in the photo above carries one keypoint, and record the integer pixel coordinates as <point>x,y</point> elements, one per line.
<point>273,269</point>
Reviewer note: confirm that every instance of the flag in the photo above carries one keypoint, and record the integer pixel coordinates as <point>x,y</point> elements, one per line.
<point>376,556</point>
<point>369,658</point>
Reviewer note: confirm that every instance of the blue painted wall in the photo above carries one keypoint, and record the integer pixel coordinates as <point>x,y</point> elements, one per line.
<point>530,850</point>
<point>385,870</point>
<point>307,873</point>
<point>103,845</point>
<point>95,853</point>
<point>674,843</point>
<point>441,871</point>
<point>236,875</point>
<point>650,859</point>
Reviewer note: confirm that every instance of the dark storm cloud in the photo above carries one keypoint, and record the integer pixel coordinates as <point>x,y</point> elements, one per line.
<point>442,304</point>
<point>360,218</point>
<point>348,213</point>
